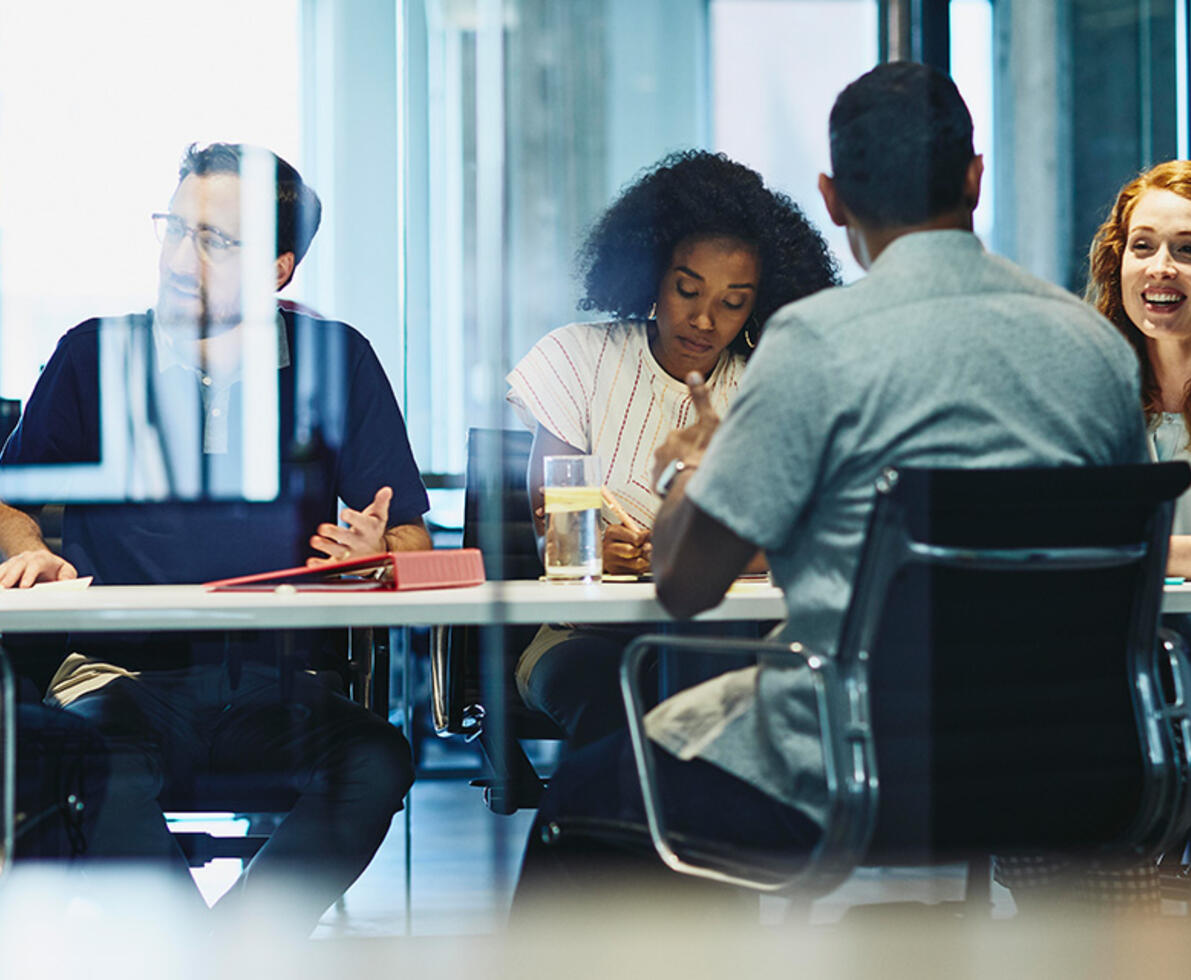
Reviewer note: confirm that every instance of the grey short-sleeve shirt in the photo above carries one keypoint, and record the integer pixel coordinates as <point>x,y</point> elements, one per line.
<point>943,355</point>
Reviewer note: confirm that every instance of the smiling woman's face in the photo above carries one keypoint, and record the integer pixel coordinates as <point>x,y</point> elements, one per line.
<point>704,300</point>
<point>1156,267</point>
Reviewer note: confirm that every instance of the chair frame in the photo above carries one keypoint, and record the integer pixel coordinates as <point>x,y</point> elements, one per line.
<point>8,762</point>
<point>841,685</point>
<point>491,714</point>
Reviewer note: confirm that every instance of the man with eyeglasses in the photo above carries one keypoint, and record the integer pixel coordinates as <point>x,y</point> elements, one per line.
<point>175,707</point>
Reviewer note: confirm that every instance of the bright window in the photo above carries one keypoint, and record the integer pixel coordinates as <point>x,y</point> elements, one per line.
<point>777,67</point>
<point>97,102</point>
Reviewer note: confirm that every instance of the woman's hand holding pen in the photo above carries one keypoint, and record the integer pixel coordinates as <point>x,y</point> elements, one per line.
<point>627,545</point>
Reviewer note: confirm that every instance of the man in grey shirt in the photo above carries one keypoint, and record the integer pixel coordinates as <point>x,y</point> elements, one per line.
<point>943,355</point>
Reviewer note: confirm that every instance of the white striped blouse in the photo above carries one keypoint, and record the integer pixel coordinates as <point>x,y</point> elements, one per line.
<point>597,387</point>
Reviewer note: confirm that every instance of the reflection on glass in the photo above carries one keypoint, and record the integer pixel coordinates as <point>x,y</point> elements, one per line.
<point>776,69</point>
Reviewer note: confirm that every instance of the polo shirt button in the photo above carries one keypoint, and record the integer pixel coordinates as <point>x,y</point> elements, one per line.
<point>215,413</point>
<point>206,380</point>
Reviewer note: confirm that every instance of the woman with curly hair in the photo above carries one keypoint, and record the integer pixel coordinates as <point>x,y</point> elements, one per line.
<point>1140,279</point>
<point>691,259</point>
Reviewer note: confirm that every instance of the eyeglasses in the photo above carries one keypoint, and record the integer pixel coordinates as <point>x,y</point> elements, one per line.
<point>212,245</point>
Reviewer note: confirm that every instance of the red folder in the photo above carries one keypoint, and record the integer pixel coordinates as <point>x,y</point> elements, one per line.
<point>387,571</point>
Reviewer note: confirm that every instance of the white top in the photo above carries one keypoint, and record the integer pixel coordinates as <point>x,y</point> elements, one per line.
<point>1168,440</point>
<point>597,387</point>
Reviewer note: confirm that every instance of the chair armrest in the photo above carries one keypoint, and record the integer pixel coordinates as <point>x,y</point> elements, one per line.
<point>1174,710</point>
<point>848,762</point>
<point>1175,648</point>
<point>8,761</point>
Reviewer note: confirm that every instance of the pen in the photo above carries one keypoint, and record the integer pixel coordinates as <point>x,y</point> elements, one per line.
<point>620,512</point>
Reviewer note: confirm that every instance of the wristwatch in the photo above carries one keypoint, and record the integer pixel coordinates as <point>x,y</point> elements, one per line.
<point>669,475</point>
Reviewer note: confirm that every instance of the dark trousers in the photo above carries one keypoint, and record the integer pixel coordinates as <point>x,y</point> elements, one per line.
<point>61,780</point>
<point>572,674</point>
<point>575,680</point>
<point>591,836</point>
<point>169,731</point>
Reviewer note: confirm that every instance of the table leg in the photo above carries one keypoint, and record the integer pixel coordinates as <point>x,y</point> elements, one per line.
<point>401,635</point>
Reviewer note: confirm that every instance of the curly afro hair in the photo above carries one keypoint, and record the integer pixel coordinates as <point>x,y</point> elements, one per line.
<point>696,194</point>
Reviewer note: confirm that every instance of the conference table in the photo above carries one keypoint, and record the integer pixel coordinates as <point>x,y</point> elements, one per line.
<point>61,608</point>
<point>119,608</point>
<point>191,607</point>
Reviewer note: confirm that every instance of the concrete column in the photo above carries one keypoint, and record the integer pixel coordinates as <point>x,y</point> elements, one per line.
<point>1033,108</point>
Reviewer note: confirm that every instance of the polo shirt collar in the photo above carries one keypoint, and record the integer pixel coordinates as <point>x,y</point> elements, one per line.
<point>919,244</point>
<point>169,355</point>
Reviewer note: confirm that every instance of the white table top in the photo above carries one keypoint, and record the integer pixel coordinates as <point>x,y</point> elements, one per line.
<point>1177,598</point>
<point>189,607</point>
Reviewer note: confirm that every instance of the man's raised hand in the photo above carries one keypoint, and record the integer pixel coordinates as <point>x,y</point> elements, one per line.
<point>688,444</point>
<point>363,535</point>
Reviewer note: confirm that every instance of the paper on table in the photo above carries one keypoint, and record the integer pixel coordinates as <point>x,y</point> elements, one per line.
<point>751,582</point>
<point>65,584</point>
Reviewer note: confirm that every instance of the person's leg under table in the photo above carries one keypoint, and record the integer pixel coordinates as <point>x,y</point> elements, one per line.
<point>572,675</point>
<point>148,730</point>
<point>351,770</point>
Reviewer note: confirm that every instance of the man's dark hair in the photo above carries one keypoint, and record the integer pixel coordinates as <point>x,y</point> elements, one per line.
<point>901,143</point>
<point>299,210</point>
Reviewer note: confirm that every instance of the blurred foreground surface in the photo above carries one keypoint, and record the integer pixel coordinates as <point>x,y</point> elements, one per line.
<point>125,924</point>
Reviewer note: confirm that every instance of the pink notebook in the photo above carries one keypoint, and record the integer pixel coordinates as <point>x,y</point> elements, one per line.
<point>387,571</point>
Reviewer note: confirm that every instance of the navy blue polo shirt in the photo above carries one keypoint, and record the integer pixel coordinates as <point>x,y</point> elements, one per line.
<point>341,436</point>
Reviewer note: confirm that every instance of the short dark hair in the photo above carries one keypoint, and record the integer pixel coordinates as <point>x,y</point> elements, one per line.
<point>901,144</point>
<point>697,194</point>
<point>299,210</point>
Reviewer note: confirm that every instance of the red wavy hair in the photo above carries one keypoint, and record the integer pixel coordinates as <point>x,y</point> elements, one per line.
<point>1104,270</point>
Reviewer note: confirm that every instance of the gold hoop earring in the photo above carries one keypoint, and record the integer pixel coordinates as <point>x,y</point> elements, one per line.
<point>748,340</point>
<point>653,312</point>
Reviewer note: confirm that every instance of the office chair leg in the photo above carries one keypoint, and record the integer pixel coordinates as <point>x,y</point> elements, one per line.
<point>978,890</point>
<point>514,784</point>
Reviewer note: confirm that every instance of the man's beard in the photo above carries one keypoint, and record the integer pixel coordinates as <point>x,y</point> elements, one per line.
<point>195,320</point>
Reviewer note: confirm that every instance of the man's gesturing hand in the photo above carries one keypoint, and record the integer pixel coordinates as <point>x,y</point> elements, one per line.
<point>688,444</point>
<point>364,534</point>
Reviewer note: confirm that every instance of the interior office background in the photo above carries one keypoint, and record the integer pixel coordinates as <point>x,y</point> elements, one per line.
<point>462,147</point>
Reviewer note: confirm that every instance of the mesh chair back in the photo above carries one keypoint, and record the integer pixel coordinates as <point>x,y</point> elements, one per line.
<point>496,516</point>
<point>1006,622</point>
<point>496,519</point>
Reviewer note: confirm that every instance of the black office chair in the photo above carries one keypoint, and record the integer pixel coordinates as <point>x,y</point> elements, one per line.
<point>998,688</point>
<point>496,519</point>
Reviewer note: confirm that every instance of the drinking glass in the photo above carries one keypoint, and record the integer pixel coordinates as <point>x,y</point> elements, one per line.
<point>574,551</point>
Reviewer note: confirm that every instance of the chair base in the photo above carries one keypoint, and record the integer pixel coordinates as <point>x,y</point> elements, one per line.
<point>201,848</point>
<point>515,784</point>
